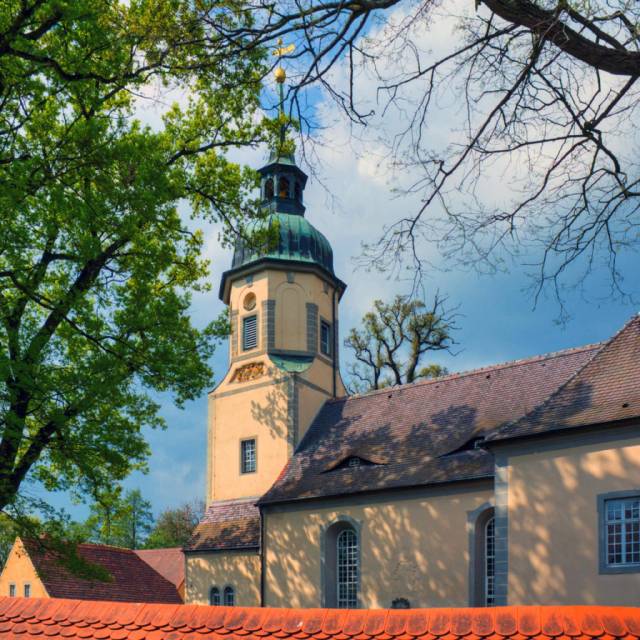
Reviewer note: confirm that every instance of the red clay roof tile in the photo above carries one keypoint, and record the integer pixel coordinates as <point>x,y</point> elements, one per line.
<point>33,618</point>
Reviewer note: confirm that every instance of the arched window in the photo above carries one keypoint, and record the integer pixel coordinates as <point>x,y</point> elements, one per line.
<point>283,187</point>
<point>214,596</point>
<point>347,569</point>
<point>341,564</point>
<point>268,189</point>
<point>229,597</point>
<point>490,562</point>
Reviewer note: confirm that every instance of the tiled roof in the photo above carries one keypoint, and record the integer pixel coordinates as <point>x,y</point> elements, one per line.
<point>169,563</point>
<point>57,619</point>
<point>421,433</point>
<point>227,524</point>
<point>606,389</point>
<point>133,580</point>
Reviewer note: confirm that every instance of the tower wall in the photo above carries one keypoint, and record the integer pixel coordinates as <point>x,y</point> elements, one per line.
<point>272,391</point>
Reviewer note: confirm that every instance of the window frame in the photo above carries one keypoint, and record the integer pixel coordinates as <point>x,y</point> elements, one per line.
<point>26,590</point>
<point>323,324</point>
<point>249,316</point>
<point>253,439</point>
<point>12,590</point>
<point>347,602</point>
<point>214,591</point>
<point>603,499</point>
<point>489,559</point>
<point>229,589</point>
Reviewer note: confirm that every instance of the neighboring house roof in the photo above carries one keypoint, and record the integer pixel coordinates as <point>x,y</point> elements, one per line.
<point>169,563</point>
<point>27,618</point>
<point>227,524</point>
<point>605,390</point>
<point>419,434</point>
<point>133,580</point>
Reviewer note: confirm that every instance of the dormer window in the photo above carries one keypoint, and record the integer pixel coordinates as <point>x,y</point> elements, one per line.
<point>354,462</point>
<point>268,189</point>
<point>283,187</point>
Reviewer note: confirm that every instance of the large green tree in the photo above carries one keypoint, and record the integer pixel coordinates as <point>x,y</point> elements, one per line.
<point>122,521</point>
<point>174,527</point>
<point>97,267</point>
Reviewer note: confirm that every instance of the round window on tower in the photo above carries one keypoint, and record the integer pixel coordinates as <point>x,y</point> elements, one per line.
<point>249,302</point>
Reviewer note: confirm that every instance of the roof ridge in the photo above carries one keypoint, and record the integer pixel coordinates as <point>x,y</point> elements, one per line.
<point>605,345</point>
<point>230,501</point>
<point>461,374</point>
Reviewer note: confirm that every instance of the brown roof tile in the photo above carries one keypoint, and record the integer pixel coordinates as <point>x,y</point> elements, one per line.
<point>31,618</point>
<point>605,389</point>
<point>168,562</point>
<point>133,580</point>
<point>227,524</point>
<point>421,433</point>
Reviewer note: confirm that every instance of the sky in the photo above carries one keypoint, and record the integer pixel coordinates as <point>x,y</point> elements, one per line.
<point>350,198</point>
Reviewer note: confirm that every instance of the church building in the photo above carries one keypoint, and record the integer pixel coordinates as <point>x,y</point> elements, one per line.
<point>517,483</point>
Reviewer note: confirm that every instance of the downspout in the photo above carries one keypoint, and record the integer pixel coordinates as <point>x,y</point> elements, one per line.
<point>262,557</point>
<point>335,340</point>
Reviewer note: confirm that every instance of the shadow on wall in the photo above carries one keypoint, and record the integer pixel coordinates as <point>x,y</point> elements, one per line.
<point>273,412</point>
<point>240,570</point>
<point>554,525</point>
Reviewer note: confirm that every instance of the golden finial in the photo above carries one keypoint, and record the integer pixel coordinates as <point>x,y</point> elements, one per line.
<point>279,73</point>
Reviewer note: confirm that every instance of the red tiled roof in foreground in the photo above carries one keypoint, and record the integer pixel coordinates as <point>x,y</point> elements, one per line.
<point>132,579</point>
<point>58,619</point>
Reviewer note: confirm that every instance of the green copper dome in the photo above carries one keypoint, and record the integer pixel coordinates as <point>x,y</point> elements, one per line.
<point>291,238</point>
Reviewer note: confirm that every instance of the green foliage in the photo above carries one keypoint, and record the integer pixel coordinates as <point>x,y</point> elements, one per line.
<point>393,341</point>
<point>120,521</point>
<point>97,268</point>
<point>174,527</point>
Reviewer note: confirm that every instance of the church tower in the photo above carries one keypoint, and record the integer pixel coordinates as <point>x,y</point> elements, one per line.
<point>283,351</point>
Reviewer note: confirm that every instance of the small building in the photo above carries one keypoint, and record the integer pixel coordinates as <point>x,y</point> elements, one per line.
<point>517,483</point>
<point>31,570</point>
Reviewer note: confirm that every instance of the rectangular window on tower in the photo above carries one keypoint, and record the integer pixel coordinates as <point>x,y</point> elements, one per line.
<point>249,333</point>
<point>248,456</point>
<point>325,338</point>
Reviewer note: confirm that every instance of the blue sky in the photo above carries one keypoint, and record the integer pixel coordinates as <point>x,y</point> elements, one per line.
<point>349,198</point>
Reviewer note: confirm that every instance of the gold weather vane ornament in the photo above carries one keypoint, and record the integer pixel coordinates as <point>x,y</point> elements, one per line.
<point>280,76</point>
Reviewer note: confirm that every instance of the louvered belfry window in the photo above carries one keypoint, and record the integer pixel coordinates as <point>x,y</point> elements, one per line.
<point>249,333</point>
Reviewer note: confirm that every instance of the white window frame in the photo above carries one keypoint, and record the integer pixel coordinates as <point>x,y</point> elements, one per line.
<point>244,466</point>
<point>12,590</point>
<point>629,532</point>
<point>347,569</point>
<point>490,562</point>
<point>26,590</point>
<point>329,350</point>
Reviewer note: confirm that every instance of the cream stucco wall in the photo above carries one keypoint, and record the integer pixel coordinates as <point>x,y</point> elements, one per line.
<point>273,406</point>
<point>239,569</point>
<point>19,570</point>
<point>553,531</point>
<point>413,547</point>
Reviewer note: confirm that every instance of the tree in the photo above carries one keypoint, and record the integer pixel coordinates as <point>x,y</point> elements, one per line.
<point>547,97</point>
<point>97,267</point>
<point>120,521</point>
<point>174,527</point>
<point>394,339</point>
